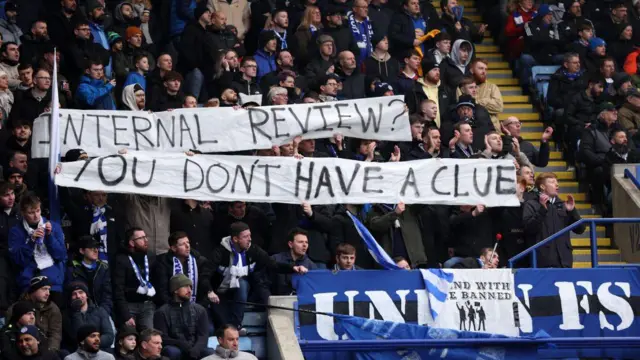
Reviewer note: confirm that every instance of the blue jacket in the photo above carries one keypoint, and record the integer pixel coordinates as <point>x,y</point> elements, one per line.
<point>21,252</point>
<point>94,94</point>
<point>266,63</point>
<point>134,77</point>
<point>180,14</point>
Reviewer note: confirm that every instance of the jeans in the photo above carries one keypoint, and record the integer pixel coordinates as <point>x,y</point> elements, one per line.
<point>174,353</point>
<point>142,314</point>
<point>193,83</point>
<point>229,311</point>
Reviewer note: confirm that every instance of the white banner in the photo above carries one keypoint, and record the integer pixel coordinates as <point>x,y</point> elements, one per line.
<point>480,300</point>
<point>101,132</point>
<point>288,180</point>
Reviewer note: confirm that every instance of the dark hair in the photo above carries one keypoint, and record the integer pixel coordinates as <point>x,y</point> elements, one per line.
<point>292,234</point>
<point>5,186</point>
<point>221,330</point>
<point>5,45</point>
<point>13,154</point>
<point>612,135</point>
<point>246,59</point>
<point>139,57</point>
<point>129,233</point>
<point>81,21</point>
<point>584,26</point>
<point>175,236</point>
<point>18,121</point>
<point>459,124</point>
<point>466,46</point>
<point>29,200</point>
<point>237,227</point>
<point>608,58</point>
<point>397,259</point>
<point>412,52</point>
<point>596,78</point>
<point>345,249</point>
<point>25,66</point>
<point>442,36</point>
<point>147,334</point>
<point>426,130</point>
<point>91,62</point>
<point>467,80</point>
<point>312,94</point>
<point>415,118</point>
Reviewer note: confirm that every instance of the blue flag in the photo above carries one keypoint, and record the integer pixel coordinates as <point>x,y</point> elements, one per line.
<point>377,252</point>
<point>437,282</point>
<point>357,328</point>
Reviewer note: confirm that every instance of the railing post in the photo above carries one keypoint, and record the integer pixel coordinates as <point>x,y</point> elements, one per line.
<point>594,243</point>
<point>534,259</point>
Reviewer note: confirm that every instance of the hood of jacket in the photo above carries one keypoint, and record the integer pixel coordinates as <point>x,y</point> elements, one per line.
<point>129,97</point>
<point>117,12</point>
<point>385,58</point>
<point>226,243</point>
<point>455,53</point>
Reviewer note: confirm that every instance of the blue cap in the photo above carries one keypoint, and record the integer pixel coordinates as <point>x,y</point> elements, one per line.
<point>31,330</point>
<point>381,88</point>
<point>543,10</point>
<point>595,42</point>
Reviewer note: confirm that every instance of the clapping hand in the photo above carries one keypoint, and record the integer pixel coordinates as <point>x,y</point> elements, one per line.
<point>570,204</point>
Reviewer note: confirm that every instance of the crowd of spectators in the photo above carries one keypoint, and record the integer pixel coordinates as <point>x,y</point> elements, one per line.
<point>153,276</point>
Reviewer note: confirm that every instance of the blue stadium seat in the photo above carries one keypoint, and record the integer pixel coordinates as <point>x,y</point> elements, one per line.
<point>540,76</point>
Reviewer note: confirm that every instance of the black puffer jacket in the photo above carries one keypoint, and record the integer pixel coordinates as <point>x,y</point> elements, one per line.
<point>562,89</point>
<point>581,110</point>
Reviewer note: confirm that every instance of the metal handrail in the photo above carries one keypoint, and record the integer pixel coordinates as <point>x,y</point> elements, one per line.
<point>629,175</point>
<point>392,344</point>
<point>593,235</point>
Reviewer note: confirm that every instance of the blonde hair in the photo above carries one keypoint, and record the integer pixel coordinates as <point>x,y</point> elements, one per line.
<point>307,17</point>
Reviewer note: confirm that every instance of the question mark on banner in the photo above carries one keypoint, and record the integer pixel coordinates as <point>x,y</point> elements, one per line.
<point>404,110</point>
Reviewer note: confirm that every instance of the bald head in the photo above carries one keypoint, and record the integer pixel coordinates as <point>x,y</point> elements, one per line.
<point>347,60</point>
<point>512,126</point>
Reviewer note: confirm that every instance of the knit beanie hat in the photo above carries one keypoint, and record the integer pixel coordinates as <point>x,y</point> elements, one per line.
<point>133,31</point>
<point>37,283</point>
<point>596,42</point>
<point>377,37</point>
<point>77,285</point>
<point>177,281</point>
<point>113,37</point>
<point>125,331</point>
<point>199,10</point>
<point>19,309</point>
<point>92,5</point>
<point>324,39</point>
<point>85,330</point>
<point>30,330</point>
<point>543,10</point>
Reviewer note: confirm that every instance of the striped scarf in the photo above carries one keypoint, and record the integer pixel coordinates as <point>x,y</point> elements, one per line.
<point>99,227</point>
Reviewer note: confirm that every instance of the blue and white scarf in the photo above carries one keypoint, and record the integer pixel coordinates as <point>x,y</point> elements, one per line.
<point>363,38</point>
<point>99,226</point>
<point>192,273</point>
<point>40,253</point>
<point>145,287</point>
<point>239,267</point>
<point>283,40</point>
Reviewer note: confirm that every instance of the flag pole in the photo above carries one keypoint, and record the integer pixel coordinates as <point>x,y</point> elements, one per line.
<point>54,144</point>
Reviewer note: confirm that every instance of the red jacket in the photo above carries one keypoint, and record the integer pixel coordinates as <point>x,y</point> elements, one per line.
<point>515,31</point>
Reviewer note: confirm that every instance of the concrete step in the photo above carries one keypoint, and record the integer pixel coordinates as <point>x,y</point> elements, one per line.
<point>582,242</point>
<point>499,65</point>
<point>531,136</point>
<point>569,186</point>
<point>605,255</point>
<point>511,91</point>
<point>505,81</point>
<point>487,49</point>
<point>587,264</point>
<point>525,107</point>
<point>553,166</point>
<point>531,125</point>
<point>591,216</point>
<point>491,57</point>
<point>513,99</point>
<point>555,155</point>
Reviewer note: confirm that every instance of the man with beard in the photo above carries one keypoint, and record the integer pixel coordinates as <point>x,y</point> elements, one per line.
<point>124,17</point>
<point>132,289</point>
<point>629,115</point>
<point>89,345</point>
<point>620,152</point>
<point>62,23</point>
<point>228,98</point>
<point>96,17</point>
<point>184,324</point>
<point>20,139</point>
<point>430,88</point>
<point>82,48</point>
<point>488,94</point>
<point>222,37</point>
<point>28,342</point>
<point>10,31</point>
<point>81,312</point>
<point>10,54</point>
<point>284,62</point>
<point>279,27</point>
<point>580,113</point>
<point>34,43</point>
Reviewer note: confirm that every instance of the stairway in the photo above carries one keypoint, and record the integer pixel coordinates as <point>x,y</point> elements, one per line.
<point>516,104</point>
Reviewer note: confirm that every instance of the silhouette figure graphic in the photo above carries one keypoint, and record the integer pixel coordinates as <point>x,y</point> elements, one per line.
<point>472,316</point>
<point>481,318</point>
<point>463,317</point>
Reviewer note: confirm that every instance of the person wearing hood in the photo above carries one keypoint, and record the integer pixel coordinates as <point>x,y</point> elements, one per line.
<point>334,28</point>
<point>452,22</point>
<point>607,28</point>
<point>10,31</point>
<point>265,56</point>
<point>88,267</point>
<point>543,44</point>
<point>239,267</point>
<point>596,55</point>
<point>380,64</point>
<point>10,56</point>
<point>81,312</point>
<point>94,92</point>
<point>514,29</point>
<point>124,16</point>
<point>137,75</point>
<point>454,68</point>
<point>183,322</point>
<point>323,63</point>
<point>622,45</point>
<point>62,22</point>
<point>180,259</point>
<point>133,98</point>
<point>353,86</point>
<point>431,88</point>
<point>402,30</point>
<point>6,97</point>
